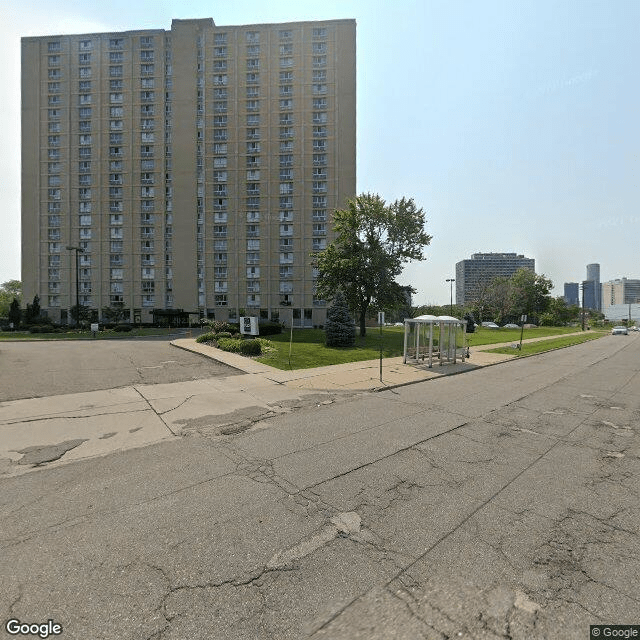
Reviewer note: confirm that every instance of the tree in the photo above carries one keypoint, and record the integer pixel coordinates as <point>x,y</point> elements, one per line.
<point>32,313</point>
<point>501,298</point>
<point>9,290</point>
<point>15,313</point>
<point>339,329</point>
<point>529,293</point>
<point>374,240</point>
<point>81,314</point>
<point>116,313</point>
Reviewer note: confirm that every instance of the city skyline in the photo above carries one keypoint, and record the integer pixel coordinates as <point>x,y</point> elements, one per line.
<point>517,131</point>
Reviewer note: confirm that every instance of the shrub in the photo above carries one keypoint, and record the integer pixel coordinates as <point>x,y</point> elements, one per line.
<point>340,331</point>
<point>206,337</point>
<point>230,344</point>
<point>218,326</point>
<point>269,328</point>
<point>250,348</point>
<point>222,334</point>
<point>122,327</point>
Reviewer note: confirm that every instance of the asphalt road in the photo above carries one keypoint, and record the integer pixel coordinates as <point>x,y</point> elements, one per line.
<point>500,503</point>
<point>38,369</point>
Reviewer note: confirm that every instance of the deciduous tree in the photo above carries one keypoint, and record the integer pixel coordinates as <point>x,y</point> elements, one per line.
<point>374,240</point>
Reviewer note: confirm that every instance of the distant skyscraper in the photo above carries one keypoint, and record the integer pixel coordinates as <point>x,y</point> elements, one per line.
<point>593,275</point>
<point>589,294</point>
<point>571,293</point>
<point>472,275</point>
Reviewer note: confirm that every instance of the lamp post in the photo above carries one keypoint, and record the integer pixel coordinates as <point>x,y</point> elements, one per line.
<point>451,281</point>
<point>77,250</point>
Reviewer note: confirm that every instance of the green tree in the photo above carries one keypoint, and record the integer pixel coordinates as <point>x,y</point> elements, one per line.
<point>15,313</point>
<point>9,290</point>
<point>374,240</point>
<point>529,293</point>
<point>32,313</point>
<point>115,313</point>
<point>339,329</point>
<point>501,298</point>
<point>80,314</point>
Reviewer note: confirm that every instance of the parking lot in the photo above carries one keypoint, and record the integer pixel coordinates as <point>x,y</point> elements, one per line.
<point>37,369</point>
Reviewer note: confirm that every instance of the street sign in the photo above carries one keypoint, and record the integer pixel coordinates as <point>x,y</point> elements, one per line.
<point>380,317</point>
<point>249,325</point>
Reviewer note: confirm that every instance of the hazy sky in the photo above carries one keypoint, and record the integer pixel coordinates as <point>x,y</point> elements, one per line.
<point>514,124</point>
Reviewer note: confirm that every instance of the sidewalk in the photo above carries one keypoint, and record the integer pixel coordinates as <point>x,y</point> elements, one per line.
<point>351,376</point>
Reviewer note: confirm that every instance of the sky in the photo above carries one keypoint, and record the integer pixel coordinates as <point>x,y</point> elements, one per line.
<point>514,124</point>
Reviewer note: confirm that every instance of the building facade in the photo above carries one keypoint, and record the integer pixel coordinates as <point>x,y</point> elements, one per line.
<point>572,293</point>
<point>620,291</point>
<point>192,169</point>
<point>475,274</point>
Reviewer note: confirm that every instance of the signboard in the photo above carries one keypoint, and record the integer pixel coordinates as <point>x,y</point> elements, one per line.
<point>380,317</point>
<point>249,325</point>
<point>94,327</point>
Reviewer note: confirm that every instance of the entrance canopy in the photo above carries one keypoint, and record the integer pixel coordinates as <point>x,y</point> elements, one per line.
<point>441,337</point>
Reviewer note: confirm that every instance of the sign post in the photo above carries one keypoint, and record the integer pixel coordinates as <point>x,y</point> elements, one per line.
<point>380,322</point>
<point>523,319</point>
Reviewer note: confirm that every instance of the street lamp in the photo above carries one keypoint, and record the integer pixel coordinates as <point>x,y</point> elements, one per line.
<point>451,281</point>
<point>77,250</point>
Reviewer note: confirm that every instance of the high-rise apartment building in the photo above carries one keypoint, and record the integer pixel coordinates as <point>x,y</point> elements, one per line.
<point>475,274</point>
<point>190,169</point>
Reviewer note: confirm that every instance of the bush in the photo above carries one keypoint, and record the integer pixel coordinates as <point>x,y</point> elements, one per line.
<point>122,327</point>
<point>222,334</point>
<point>250,348</point>
<point>230,344</point>
<point>41,328</point>
<point>218,326</point>
<point>269,328</point>
<point>206,337</point>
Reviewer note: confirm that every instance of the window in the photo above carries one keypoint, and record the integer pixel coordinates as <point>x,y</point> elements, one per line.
<point>253,105</point>
<point>286,49</point>
<point>253,63</point>
<point>115,97</point>
<point>319,132</point>
<point>319,61</point>
<point>116,43</point>
<point>286,230</point>
<point>286,174</point>
<point>286,62</point>
<point>319,89</point>
<point>319,117</point>
<point>54,114</point>
<point>318,244</point>
<point>319,103</point>
<point>54,74</point>
<point>319,145</point>
<point>220,176</point>
<point>286,104</point>
<point>147,69</point>
<point>146,41</point>
<point>286,258</point>
<point>85,139</point>
<point>147,83</point>
<point>286,90</point>
<point>286,202</point>
<point>54,100</point>
<point>84,112</point>
<point>220,52</point>
<point>319,47</point>
<point>252,78</point>
<point>320,229</point>
<point>220,79</point>
<point>319,32</point>
<point>286,160</point>
<point>54,87</point>
<point>253,37</point>
<point>146,56</point>
<point>54,46</point>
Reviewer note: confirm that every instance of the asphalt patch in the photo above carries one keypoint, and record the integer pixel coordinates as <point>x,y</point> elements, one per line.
<point>41,454</point>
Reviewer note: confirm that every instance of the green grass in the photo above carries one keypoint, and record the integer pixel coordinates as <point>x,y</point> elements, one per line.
<point>87,335</point>
<point>483,335</point>
<point>532,348</point>
<point>310,351</point>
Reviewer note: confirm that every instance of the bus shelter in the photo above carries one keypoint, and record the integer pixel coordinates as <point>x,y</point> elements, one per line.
<point>440,338</point>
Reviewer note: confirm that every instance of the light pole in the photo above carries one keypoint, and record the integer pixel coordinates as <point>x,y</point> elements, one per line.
<point>77,250</point>
<point>451,281</point>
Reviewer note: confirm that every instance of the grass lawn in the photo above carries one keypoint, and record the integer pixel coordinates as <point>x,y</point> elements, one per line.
<point>310,351</point>
<point>483,335</point>
<point>87,335</point>
<point>546,345</point>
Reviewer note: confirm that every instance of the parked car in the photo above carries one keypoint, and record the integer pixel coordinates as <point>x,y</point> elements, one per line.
<point>510,325</point>
<point>634,328</point>
<point>619,331</point>
<point>490,325</point>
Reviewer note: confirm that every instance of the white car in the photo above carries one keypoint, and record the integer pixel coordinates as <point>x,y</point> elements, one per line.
<point>490,325</point>
<point>511,326</point>
<point>619,331</point>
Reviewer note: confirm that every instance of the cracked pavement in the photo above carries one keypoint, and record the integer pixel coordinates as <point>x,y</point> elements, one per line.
<point>501,503</point>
